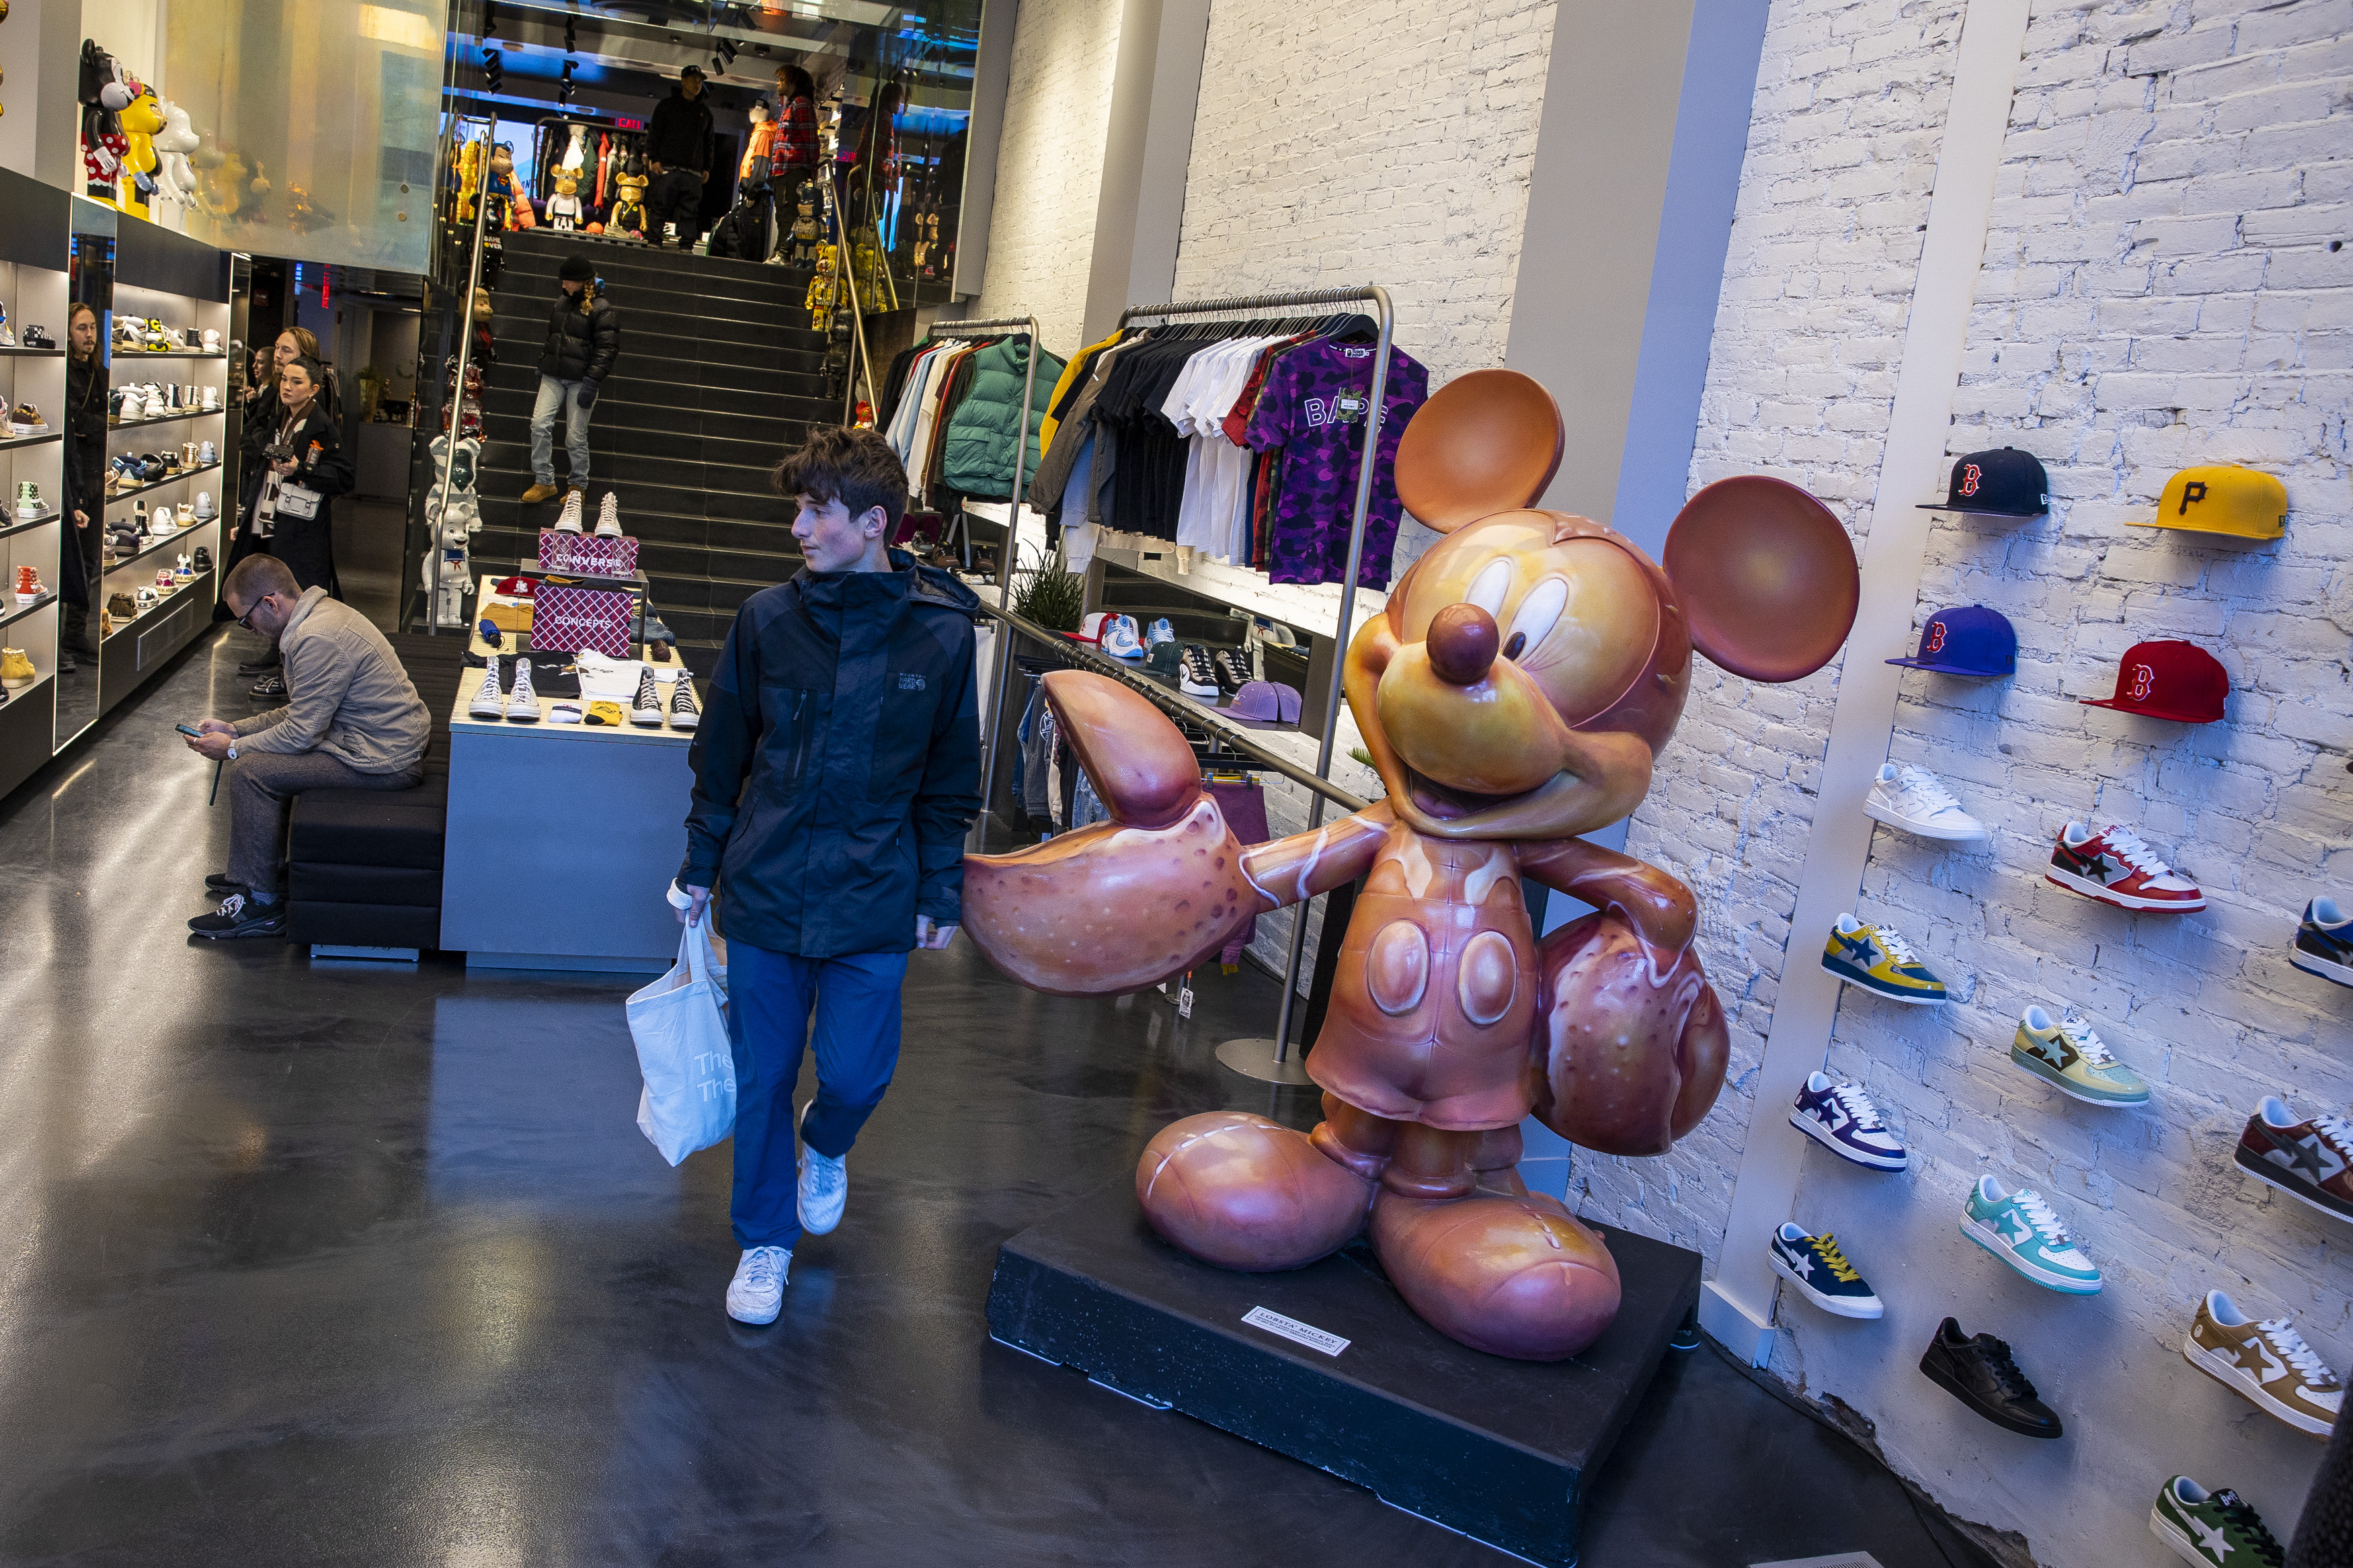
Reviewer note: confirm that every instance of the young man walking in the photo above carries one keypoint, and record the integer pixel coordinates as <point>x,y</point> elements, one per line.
<point>836,769</point>
<point>584,339</point>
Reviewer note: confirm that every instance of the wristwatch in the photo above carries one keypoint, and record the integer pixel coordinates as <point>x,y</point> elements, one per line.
<point>232,752</point>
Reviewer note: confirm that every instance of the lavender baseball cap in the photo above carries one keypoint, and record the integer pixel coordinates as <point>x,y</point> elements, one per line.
<point>1265,702</point>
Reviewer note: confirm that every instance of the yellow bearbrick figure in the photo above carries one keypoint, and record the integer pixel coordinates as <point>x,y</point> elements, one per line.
<point>564,209</point>
<point>141,121</point>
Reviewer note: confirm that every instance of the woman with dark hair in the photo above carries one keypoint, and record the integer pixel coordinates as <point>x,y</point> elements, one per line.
<point>260,370</point>
<point>79,564</point>
<point>284,504</point>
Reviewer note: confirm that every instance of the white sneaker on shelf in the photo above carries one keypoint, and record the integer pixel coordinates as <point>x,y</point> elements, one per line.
<point>204,506</point>
<point>757,1294</point>
<point>1916,800</point>
<point>646,710</point>
<point>488,701</point>
<point>523,704</point>
<point>568,520</point>
<point>684,714</point>
<point>824,1190</point>
<point>608,517</point>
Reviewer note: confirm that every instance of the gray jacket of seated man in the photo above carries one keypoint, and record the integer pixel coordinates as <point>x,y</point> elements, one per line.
<point>347,696</point>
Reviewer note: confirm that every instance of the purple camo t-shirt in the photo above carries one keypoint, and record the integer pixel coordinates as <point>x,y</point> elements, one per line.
<point>1314,406</point>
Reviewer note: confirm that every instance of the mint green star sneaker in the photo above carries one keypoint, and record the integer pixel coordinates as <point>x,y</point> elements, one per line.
<point>2020,1229</point>
<point>2216,1528</point>
<point>2069,1057</point>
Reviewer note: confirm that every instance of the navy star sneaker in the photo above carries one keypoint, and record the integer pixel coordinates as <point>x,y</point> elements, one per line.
<point>1841,1118</point>
<point>2324,942</point>
<point>1821,1273</point>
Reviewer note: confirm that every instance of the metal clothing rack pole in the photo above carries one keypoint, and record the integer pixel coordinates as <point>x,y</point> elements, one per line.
<point>456,403</point>
<point>1271,1060</point>
<point>1027,325</point>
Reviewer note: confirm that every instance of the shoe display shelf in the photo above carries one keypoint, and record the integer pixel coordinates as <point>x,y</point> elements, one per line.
<point>128,491</point>
<point>517,891</point>
<point>163,418</point>
<point>34,244</point>
<point>172,354</point>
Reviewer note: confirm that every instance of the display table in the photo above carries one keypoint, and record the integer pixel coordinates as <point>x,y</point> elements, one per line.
<point>561,840</point>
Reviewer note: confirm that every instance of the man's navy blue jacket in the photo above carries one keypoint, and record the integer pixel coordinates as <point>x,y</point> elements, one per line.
<point>837,766</point>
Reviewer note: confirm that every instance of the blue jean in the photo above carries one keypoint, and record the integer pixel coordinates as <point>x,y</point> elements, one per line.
<point>557,397</point>
<point>769,998</point>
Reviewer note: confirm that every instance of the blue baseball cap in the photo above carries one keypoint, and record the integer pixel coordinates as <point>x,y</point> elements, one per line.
<point>1970,640</point>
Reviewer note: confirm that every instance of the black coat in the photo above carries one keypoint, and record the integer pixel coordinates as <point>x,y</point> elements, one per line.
<point>679,134</point>
<point>837,763</point>
<point>581,344</point>
<point>307,545</point>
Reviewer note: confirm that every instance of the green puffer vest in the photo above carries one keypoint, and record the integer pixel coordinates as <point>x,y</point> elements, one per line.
<point>979,457</point>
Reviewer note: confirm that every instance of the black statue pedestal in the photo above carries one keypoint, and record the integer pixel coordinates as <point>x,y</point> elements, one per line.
<point>1328,1364</point>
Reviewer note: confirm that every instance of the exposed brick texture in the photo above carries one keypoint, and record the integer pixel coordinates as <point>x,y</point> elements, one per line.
<point>1050,165</point>
<point>2158,290</point>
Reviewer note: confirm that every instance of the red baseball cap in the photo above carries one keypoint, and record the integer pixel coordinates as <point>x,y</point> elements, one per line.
<point>2176,680</point>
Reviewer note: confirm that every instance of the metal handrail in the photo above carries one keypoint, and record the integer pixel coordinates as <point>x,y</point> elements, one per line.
<point>457,404</point>
<point>1371,293</point>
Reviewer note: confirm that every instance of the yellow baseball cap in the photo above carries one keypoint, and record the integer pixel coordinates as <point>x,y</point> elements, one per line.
<point>2222,498</point>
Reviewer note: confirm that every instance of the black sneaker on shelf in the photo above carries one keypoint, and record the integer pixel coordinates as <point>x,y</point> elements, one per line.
<point>1233,669</point>
<point>270,685</point>
<point>1979,1373</point>
<point>239,916</point>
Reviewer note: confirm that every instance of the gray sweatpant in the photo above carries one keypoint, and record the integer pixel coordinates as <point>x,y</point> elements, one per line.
<point>260,786</point>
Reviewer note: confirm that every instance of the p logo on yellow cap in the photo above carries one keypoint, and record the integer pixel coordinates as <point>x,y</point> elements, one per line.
<point>2222,499</point>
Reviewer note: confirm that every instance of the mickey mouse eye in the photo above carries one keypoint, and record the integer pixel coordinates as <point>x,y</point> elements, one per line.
<point>1490,588</point>
<point>1539,611</point>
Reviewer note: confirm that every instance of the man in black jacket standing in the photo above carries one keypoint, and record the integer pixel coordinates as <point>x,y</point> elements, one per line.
<point>584,339</point>
<point>678,147</point>
<point>836,769</point>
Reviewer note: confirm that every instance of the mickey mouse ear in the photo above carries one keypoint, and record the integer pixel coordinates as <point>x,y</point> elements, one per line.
<point>1487,442</point>
<point>1766,576</point>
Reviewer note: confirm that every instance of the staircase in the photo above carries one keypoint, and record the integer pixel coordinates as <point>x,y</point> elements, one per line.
<point>719,378</point>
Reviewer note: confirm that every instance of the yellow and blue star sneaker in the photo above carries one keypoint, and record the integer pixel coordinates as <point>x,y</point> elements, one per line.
<point>2068,1056</point>
<point>1877,959</point>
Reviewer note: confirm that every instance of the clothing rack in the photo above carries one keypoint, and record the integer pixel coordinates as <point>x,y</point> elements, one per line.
<point>1004,325</point>
<point>1271,1060</point>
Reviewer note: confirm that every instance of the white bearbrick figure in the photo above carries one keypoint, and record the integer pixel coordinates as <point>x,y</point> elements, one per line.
<point>173,175</point>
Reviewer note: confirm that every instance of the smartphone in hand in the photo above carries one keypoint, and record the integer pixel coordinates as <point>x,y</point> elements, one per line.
<point>190,731</point>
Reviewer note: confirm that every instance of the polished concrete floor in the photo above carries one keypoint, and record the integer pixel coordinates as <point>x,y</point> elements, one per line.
<point>311,1263</point>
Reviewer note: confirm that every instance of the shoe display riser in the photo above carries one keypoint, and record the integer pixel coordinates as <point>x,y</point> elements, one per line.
<point>1499,1450</point>
<point>137,650</point>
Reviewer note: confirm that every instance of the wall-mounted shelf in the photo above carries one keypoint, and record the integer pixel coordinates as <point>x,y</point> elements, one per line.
<point>168,354</point>
<point>14,612</point>
<point>33,354</point>
<point>163,602</point>
<point>155,544</point>
<point>20,524</point>
<point>161,418</point>
<point>10,441</point>
<point>127,494</point>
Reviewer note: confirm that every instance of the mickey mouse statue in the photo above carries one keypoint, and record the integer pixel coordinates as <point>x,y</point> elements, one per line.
<point>1513,695</point>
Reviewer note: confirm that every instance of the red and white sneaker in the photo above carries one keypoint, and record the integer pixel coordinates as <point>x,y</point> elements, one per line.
<point>2112,865</point>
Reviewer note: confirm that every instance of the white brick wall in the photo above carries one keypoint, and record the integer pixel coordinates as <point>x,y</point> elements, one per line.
<point>2158,290</point>
<point>1050,165</point>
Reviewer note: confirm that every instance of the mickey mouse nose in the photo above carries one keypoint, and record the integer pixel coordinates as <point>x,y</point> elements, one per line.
<point>1461,644</point>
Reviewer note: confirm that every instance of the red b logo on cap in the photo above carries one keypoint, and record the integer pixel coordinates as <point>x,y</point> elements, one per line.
<point>1970,476</point>
<point>2143,679</point>
<point>1936,637</point>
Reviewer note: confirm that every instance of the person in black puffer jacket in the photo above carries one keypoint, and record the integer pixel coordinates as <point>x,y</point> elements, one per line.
<point>584,339</point>
<point>679,146</point>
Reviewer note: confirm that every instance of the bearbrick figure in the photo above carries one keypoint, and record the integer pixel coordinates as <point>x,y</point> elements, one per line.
<point>806,232</point>
<point>499,188</point>
<point>175,177</point>
<point>105,90</point>
<point>629,217</point>
<point>142,119</point>
<point>564,209</point>
<point>1512,695</point>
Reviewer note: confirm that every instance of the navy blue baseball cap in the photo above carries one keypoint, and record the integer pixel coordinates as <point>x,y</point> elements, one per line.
<point>2004,482</point>
<point>1970,641</point>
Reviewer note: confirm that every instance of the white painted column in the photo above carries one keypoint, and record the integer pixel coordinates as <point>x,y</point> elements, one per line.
<point>1736,1306</point>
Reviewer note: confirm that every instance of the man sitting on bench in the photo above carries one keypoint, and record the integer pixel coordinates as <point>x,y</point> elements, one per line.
<point>352,720</point>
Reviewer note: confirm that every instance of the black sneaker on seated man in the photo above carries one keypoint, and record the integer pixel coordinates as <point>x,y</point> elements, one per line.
<point>352,720</point>
<point>241,915</point>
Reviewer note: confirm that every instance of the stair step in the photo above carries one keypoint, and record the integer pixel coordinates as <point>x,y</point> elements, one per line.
<point>507,445</point>
<point>544,250</point>
<point>678,312</point>
<point>520,339</point>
